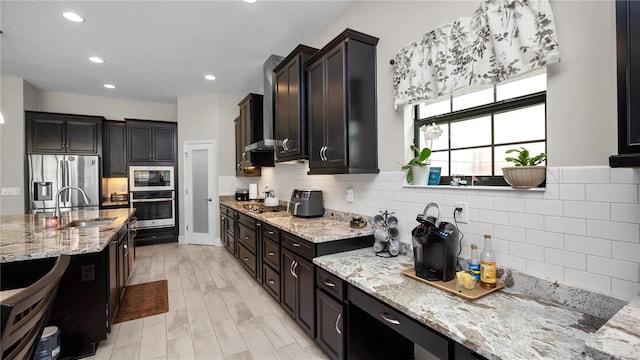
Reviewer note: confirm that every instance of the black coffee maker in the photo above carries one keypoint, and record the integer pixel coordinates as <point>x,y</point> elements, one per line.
<point>435,247</point>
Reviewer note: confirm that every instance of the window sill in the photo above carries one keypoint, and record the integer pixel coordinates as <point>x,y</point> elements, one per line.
<point>481,188</point>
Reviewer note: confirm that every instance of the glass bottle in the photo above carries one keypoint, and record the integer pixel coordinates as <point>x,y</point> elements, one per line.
<point>474,262</point>
<point>487,265</point>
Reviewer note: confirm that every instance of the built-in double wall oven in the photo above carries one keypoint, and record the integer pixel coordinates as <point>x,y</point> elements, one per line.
<point>152,194</point>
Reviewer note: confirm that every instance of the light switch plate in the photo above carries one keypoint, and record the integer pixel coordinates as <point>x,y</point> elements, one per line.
<point>350,195</point>
<point>15,191</point>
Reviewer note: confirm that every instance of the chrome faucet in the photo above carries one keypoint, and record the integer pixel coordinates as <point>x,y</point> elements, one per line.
<point>84,197</point>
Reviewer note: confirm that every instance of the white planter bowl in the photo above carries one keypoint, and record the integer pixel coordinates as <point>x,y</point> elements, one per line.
<point>524,177</point>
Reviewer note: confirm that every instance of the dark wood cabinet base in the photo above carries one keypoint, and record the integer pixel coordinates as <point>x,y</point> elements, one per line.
<point>156,236</point>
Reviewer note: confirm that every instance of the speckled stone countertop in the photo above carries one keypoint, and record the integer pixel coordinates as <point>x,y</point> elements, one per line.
<point>332,226</point>
<point>508,324</point>
<point>24,237</point>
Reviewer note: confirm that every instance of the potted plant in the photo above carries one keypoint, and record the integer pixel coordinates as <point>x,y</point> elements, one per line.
<point>417,168</point>
<point>526,173</point>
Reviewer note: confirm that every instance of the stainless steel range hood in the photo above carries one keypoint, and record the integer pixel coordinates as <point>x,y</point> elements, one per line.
<point>269,142</point>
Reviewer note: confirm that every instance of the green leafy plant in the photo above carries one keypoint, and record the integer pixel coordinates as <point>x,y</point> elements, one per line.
<point>524,159</point>
<point>421,159</point>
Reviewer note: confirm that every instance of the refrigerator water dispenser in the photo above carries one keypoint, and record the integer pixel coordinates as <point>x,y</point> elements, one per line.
<point>42,191</point>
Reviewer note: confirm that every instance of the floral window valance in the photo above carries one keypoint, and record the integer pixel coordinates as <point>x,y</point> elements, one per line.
<point>502,40</point>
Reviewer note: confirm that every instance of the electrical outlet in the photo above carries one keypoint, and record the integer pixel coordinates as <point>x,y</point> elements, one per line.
<point>462,216</point>
<point>350,196</point>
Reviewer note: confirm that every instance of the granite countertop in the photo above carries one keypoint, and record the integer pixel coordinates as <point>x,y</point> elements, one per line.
<point>332,226</point>
<point>507,324</point>
<point>24,237</point>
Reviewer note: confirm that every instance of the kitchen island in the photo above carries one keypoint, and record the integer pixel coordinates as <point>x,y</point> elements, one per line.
<point>91,289</point>
<point>508,324</point>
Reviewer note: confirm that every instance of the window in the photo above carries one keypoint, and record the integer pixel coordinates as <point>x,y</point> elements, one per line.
<point>479,127</point>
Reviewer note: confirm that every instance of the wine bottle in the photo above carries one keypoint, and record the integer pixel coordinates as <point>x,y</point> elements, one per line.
<point>487,265</point>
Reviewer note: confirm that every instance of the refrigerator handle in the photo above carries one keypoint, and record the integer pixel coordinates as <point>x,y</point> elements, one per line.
<point>64,177</point>
<point>66,170</point>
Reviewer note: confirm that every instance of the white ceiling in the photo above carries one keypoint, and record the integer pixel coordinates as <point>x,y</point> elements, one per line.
<point>154,50</point>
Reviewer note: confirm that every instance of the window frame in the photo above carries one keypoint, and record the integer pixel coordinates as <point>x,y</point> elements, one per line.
<point>537,98</point>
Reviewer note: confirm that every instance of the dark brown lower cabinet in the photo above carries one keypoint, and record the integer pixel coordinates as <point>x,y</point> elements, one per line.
<point>330,325</point>
<point>298,290</point>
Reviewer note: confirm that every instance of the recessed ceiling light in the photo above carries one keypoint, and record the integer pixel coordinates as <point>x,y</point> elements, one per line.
<point>71,16</point>
<point>209,77</point>
<point>251,1</point>
<point>96,60</point>
<point>109,86</point>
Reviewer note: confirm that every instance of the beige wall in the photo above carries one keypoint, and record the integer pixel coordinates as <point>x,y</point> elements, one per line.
<point>581,105</point>
<point>12,144</point>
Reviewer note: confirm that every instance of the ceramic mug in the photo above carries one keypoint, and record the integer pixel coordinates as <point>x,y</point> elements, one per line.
<point>381,234</point>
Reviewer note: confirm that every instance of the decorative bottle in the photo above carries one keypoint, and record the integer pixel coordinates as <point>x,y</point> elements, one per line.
<point>487,265</point>
<point>474,262</point>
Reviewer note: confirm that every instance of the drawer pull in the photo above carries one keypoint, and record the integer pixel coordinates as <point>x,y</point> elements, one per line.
<point>271,282</point>
<point>246,237</point>
<point>271,253</point>
<point>270,232</point>
<point>329,283</point>
<point>246,258</point>
<point>296,244</point>
<point>337,322</point>
<point>386,317</point>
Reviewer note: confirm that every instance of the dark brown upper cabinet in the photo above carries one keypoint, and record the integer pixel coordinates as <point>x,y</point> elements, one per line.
<point>151,142</point>
<point>628,54</point>
<point>342,107</point>
<point>114,149</point>
<point>290,106</point>
<point>53,133</point>
<point>250,130</point>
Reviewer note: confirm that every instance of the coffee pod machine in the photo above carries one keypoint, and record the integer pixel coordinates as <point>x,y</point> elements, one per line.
<point>435,246</point>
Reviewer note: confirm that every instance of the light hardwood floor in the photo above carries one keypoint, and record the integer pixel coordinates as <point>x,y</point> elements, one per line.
<point>216,311</point>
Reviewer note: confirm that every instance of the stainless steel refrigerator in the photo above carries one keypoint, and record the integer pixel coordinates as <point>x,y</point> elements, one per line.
<point>50,173</point>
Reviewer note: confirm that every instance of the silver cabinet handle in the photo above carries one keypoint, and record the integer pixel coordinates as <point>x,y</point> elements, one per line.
<point>246,258</point>
<point>291,269</point>
<point>321,158</point>
<point>338,321</point>
<point>271,282</point>
<point>324,153</point>
<point>329,283</point>
<point>296,245</point>
<point>270,232</point>
<point>271,253</point>
<point>295,269</point>
<point>386,317</point>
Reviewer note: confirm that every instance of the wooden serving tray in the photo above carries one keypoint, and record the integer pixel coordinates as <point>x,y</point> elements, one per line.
<point>451,286</point>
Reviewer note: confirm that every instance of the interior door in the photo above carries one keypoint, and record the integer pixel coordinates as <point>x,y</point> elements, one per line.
<point>200,194</point>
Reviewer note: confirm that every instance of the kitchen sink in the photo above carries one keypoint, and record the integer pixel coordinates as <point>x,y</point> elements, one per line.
<point>89,222</point>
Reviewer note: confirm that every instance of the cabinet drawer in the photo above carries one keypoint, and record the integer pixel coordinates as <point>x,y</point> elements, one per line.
<point>271,232</point>
<point>247,237</point>
<point>247,259</point>
<point>271,254</point>
<point>330,283</point>
<point>247,221</point>
<point>272,282</point>
<point>420,334</point>
<point>297,245</point>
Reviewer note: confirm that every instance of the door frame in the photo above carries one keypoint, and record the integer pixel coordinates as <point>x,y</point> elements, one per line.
<point>188,205</point>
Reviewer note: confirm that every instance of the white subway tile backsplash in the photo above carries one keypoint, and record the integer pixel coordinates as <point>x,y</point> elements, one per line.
<point>625,213</point>
<point>614,230</point>
<point>587,245</point>
<point>545,238</point>
<point>543,207</point>
<point>494,217</point>
<point>509,233</point>
<point>624,289</point>
<point>614,193</point>
<point>584,212</point>
<point>583,279</point>
<point>587,210</point>
<point>618,269</point>
<point>508,204</point>
<point>572,191</point>
<point>625,251</point>
<point>527,221</point>
<point>566,258</point>
<point>565,225</point>
<point>545,270</point>
<point>585,175</point>
<point>527,251</point>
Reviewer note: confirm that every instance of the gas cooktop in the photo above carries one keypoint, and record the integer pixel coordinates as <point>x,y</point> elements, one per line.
<point>260,208</point>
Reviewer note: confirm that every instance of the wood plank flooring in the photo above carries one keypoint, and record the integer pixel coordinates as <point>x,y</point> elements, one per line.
<point>216,311</point>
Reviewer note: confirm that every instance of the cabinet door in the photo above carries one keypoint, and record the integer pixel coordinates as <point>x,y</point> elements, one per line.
<point>336,130</point>
<point>330,322</point>
<point>288,282</point>
<point>82,136</point>
<point>282,110</point>
<point>112,281</point>
<point>306,295</point>
<point>316,109</point>
<point>293,108</point>
<point>140,143</point>
<point>115,149</point>
<point>239,148</point>
<point>164,144</point>
<point>47,135</point>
